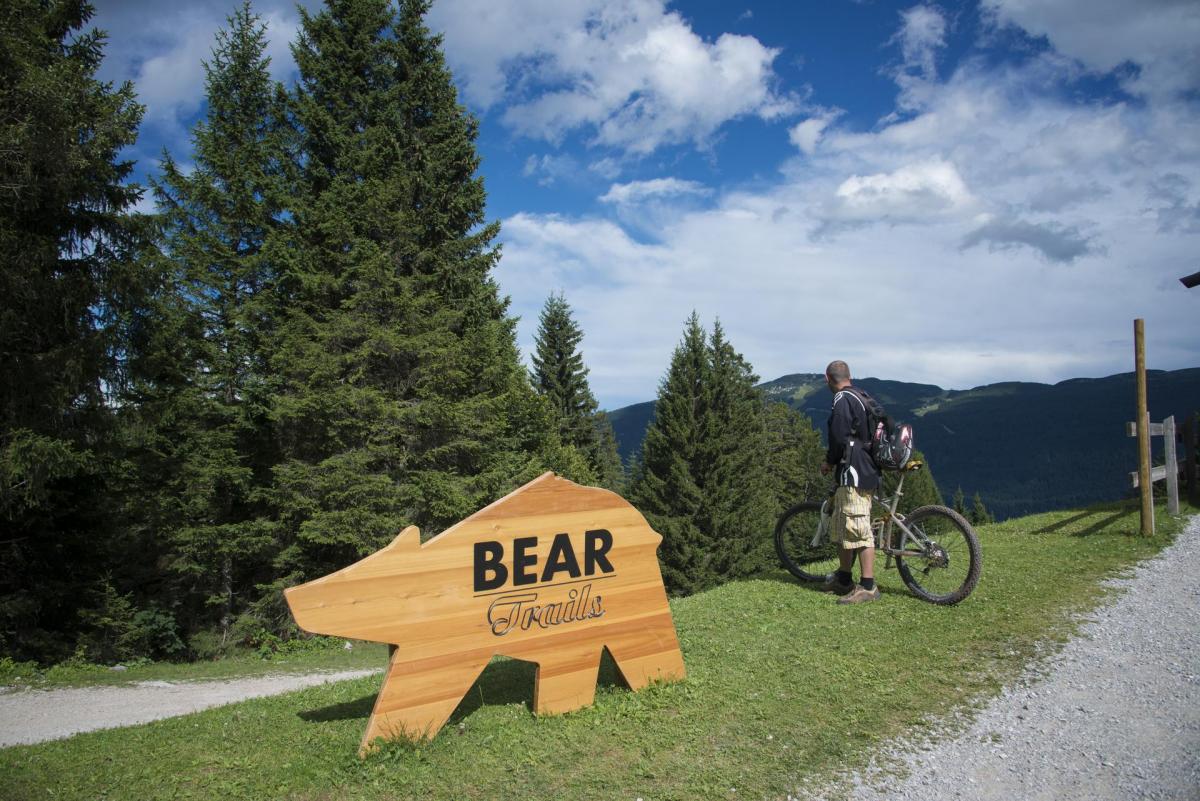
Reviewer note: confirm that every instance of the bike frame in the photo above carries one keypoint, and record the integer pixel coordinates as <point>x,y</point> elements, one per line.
<point>884,527</point>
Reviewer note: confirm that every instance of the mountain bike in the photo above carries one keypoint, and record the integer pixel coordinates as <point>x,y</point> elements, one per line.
<point>934,548</point>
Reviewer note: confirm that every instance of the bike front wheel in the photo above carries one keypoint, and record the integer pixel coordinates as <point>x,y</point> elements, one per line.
<point>943,565</point>
<point>806,555</point>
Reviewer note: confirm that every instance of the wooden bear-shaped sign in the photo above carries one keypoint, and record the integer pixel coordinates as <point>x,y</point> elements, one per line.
<point>552,573</point>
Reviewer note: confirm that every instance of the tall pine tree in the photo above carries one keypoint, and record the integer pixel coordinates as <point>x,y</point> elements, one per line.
<point>703,481</point>
<point>960,504</point>
<point>740,502</point>
<point>666,487</point>
<point>980,516</point>
<point>204,388</point>
<point>403,399</point>
<point>560,377</point>
<point>793,455</point>
<point>66,244</point>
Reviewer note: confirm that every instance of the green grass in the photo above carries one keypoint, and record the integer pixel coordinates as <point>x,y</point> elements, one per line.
<point>327,654</point>
<point>783,685</point>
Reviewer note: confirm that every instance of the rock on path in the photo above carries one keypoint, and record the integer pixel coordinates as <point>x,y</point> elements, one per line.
<point>1115,715</point>
<point>38,715</point>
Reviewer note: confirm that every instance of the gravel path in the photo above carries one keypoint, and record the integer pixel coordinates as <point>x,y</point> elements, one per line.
<point>1115,715</point>
<point>37,715</point>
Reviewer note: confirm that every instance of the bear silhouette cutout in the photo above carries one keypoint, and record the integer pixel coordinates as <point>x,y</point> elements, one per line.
<point>552,573</point>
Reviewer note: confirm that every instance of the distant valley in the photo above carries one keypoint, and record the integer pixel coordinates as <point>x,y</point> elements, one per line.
<point>1024,447</point>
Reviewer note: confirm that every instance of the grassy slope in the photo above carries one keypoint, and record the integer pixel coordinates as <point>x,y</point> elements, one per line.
<point>782,685</point>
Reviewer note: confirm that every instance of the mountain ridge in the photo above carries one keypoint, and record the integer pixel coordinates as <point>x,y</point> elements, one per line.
<point>1024,446</point>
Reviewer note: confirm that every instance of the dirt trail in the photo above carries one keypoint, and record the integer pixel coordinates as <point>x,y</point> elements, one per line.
<point>36,715</point>
<point>1114,715</point>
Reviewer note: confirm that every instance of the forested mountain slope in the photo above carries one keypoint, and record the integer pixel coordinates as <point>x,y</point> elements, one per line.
<point>1025,447</point>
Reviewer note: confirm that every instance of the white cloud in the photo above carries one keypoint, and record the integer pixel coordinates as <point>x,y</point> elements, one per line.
<point>1169,197</point>
<point>608,168</point>
<point>918,192</point>
<point>1158,36</point>
<point>550,169</point>
<point>634,75</point>
<point>999,230</point>
<point>921,36</point>
<point>171,83</point>
<point>636,191</point>
<point>807,133</point>
<point>1059,196</point>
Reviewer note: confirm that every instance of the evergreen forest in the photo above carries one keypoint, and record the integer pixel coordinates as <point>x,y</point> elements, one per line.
<point>301,351</point>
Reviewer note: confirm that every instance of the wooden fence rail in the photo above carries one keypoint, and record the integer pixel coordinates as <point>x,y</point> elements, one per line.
<point>1185,463</point>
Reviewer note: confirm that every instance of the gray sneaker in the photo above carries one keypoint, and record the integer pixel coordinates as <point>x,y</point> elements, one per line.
<point>831,584</point>
<point>859,595</point>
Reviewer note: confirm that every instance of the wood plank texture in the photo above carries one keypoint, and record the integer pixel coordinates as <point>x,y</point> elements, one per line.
<point>1156,473</point>
<point>552,573</point>
<point>1170,458</point>
<point>1155,429</point>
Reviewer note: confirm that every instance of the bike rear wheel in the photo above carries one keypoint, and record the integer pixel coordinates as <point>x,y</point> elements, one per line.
<point>948,567</point>
<point>794,534</point>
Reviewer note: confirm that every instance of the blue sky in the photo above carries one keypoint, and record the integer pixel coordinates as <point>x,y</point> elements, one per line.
<point>953,193</point>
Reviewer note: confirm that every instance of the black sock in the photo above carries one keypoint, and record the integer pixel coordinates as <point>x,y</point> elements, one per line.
<point>844,577</point>
<point>868,584</point>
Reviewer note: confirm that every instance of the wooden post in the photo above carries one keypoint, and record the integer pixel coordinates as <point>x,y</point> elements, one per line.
<point>1143,429</point>
<point>1172,466</point>
<point>1189,458</point>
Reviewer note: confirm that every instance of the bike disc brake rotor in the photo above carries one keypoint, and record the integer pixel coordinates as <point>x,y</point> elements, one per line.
<point>935,556</point>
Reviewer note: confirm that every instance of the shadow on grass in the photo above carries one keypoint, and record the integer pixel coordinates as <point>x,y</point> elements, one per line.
<point>1061,524</point>
<point>1098,520</point>
<point>1103,523</point>
<point>511,681</point>
<point>350,710</point>
<point>504,681</point>
<point>783,577</point>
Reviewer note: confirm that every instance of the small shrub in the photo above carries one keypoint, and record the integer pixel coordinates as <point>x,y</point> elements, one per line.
<point>207,646</point>
<point>78,666</point>
<point>17,672</point>
<point>153,633</point>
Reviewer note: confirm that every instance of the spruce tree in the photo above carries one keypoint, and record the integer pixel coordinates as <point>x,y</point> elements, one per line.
<point>793,455</point>
<point>666,487</point>
<point>980,515</point>
<point>740,502</point>
<point>606,459</point>
<point>703,481</point>
<point>205,387</point>
<point>403,400</point>
<point>960,503</point>
<point>66,245</point>
<point>560,377</point>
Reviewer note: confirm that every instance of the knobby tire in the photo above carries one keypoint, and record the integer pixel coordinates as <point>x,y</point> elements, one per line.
<point>793,535</point>
<point>957,544</point>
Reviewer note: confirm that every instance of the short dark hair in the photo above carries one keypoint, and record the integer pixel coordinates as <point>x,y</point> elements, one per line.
<point>838,371</point>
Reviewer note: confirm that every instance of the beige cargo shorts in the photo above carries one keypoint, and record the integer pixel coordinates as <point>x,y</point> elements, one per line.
<point>851,524</point>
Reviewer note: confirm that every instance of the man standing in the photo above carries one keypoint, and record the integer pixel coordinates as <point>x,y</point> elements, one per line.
<point>857,477</point>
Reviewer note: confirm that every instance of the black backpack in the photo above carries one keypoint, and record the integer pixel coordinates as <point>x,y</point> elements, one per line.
<point>891,442</point>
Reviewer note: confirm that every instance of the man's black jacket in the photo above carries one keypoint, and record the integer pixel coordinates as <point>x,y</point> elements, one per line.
<point>849,442</point>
